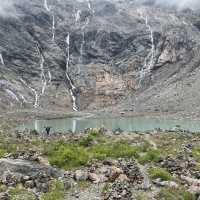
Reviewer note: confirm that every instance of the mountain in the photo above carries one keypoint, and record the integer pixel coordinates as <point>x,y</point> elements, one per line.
<point>90,55</point>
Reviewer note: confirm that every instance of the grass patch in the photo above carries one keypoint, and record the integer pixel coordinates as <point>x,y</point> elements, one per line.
<point>150,156</point>
<point>2,152</point>
<point>7,147</point>
<point>68,156</point>
<point>156,172</point>
<point>106,188</point>
<point>56,192</point>
<point>141,196</point>
<point>83,184</point>
<point>91,136</point>
<point>119,149</point>
<point>175,194</point>
<point>196,153</point>
<point>74,154</point>
<point>20,193</point>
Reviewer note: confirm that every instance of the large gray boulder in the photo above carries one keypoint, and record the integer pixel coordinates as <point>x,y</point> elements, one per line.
<point>30,174</point>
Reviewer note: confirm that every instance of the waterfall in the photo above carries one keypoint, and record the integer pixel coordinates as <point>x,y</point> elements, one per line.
<point>67,51</point>
<point>36,103</point>
<point>53,27</point>
<point>42,74</point>
<point>50,77</point>
<point>83,39</point>
<point>152,53</point>
<point>12,94</point>
<point>46,6</point>
<point>48,9</point>
<point>149,60</point>
<point>1,58</point>
<point>72,88</point>
<point>81,48</point>
<point>37,96</point>
<point>23,98</point>
<point>78,16</point>
<point>90,6</point>
<point>43,77</point>
<point>78,21</point>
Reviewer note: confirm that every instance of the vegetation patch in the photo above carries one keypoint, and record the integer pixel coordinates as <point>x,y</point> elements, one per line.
<point>68,155</point>
<point>156,172</point>
<point>91,136</point>
<point>20,193</point>
<point>175,194</point>
<point>56,192</point>
<point>196,153</point>
<point>74,154</point>
<point>150,156</point>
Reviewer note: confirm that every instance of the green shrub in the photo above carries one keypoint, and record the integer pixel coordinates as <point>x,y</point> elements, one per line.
<point>91,135</point>
<point>196,153</point>
<point>20,193</point>
<point>73,155</point>
<point>2,152</point>
<point>68,156</point>
<point>156,172</point>
<point>86,141</point>
<point>56,192</point>
<point>150,156</point>
<point>175,194</point>
<point>114,150</point>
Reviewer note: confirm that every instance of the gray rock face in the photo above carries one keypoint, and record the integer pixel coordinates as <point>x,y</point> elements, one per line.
<point>4,196</point>
<point>30,174</point>
<point>118,53</point>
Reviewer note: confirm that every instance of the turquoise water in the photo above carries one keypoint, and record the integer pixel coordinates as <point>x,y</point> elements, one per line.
<point>128,124</point>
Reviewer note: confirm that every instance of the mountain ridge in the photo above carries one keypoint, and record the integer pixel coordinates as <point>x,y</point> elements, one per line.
<point>120,55</point>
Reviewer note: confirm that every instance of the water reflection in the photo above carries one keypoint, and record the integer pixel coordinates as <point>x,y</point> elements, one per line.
<point>74,122</point>
<point>127,124</point>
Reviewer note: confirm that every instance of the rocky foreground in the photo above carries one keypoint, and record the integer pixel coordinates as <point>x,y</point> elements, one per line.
<point>100,164</point>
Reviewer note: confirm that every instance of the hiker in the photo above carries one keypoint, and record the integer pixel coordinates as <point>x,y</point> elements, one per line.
<point>48,129</point>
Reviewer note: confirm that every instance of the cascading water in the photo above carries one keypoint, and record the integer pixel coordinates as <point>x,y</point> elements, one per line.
<point>50,77</point>
<point>42,75</point>
<point>1,59</point>
<point>81,48</point>
<point>90,6</point>
<point>12,94</point>
<point>23,99</point>
<point>48,9</point>
<point>72,88</point>
<point>149,60</point>
<point>53,27</point>
<point>36,103</point>
<point>78,23</point>
<point>152,53</point>
<point>46,6</point>
<point>12,91</point>
<point>83,27</point>
<point>67,52</point>
<point>78,16</point>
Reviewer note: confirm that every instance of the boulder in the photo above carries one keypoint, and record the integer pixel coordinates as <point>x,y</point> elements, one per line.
<point>94,177</point>
<point>28,168</point>
<point>29,173</point>
<point>80,175</point>
<point>4,196</point>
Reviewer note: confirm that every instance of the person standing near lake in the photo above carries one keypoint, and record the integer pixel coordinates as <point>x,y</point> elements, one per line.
<point>48,129</point>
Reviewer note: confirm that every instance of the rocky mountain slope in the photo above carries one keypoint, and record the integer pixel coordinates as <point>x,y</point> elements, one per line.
<point>89,55</point>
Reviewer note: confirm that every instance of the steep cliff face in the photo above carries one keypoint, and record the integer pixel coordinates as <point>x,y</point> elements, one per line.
<point>86,55</point>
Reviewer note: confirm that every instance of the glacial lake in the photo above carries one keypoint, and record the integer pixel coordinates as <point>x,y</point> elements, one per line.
<point>128,124</point>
